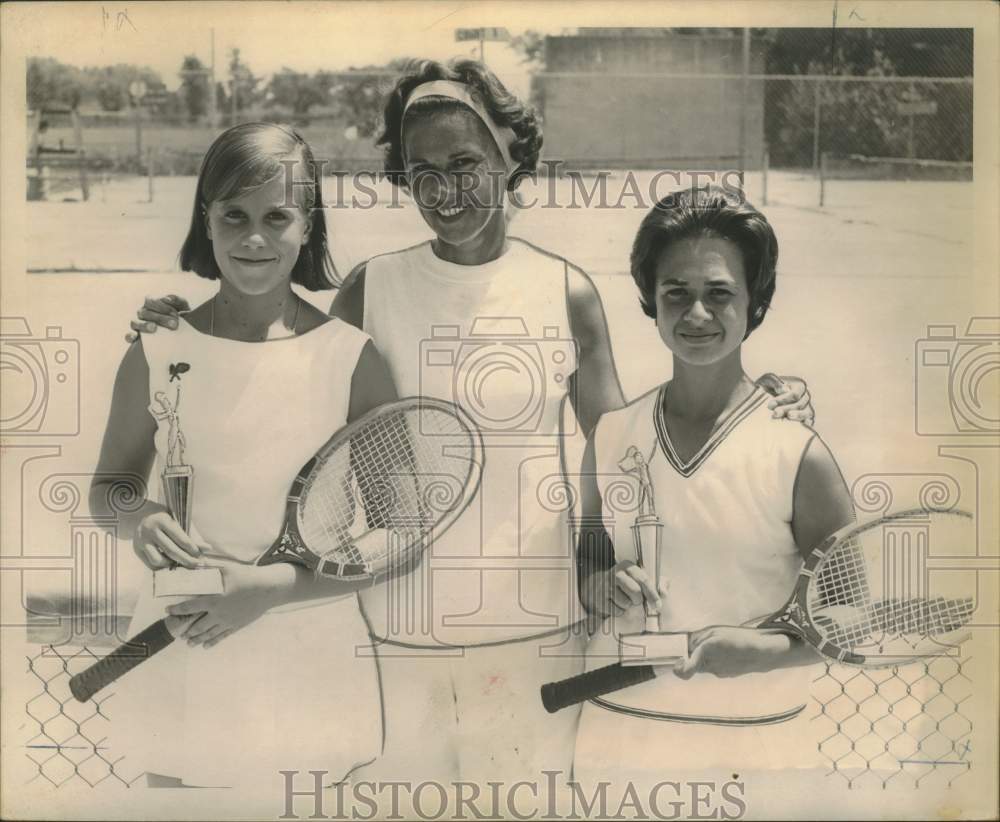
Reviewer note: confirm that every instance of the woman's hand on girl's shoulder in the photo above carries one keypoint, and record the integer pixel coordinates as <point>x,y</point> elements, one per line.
<point>790,398</point>
<point>157,312</point>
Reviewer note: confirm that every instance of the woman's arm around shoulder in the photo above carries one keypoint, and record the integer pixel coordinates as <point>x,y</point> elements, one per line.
<point>349,304</point>
<point>594,387</point>
<point>372,384</point>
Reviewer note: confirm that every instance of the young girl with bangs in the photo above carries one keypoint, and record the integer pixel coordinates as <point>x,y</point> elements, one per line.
<point>510,332</point>
<point>250,385</point>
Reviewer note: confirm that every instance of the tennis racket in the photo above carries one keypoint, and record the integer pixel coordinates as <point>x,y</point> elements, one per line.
<point>378,493</point>
<point>861,598</point>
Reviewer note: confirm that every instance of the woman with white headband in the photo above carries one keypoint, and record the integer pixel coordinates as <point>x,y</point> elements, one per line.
<point>509,331</point>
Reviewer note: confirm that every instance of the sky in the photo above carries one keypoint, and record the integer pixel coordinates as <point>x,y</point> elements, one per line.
<point>302,36</point>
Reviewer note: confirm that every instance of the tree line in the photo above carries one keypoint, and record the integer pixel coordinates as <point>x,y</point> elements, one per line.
<point>354,94</point>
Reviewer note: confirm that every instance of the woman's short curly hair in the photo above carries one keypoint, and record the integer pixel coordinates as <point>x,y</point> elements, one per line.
<point>503,107</point>
<point>715,212</point>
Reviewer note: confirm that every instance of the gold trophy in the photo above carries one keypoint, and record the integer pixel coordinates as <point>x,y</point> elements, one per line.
<point>177,481</point>
<point>652,646</point>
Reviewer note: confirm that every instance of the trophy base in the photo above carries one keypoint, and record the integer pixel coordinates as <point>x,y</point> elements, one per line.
<point>190,582</point>
<point>652,649</point>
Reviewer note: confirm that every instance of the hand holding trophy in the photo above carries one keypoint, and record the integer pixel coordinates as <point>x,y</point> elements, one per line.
<point>177,480</point>
<point>652,646</point>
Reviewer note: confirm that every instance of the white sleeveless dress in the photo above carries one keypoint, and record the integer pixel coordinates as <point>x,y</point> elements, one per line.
<point>465,641</point>
<point>728,556</point>
<point>288,691</point>
<point>494,338</point>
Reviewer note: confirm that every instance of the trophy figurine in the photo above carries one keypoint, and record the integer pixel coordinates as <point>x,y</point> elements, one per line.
<point>177,479</point>
<point>652,646</point>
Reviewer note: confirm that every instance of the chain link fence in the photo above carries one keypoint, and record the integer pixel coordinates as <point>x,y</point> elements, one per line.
<point>885,105</point>
<point>67,740</point>
<point>796,109</point>
<point>895,725</point>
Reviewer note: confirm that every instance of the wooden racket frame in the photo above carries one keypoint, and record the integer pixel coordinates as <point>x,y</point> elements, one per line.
<point>290,545</point>
<point>795,618</point>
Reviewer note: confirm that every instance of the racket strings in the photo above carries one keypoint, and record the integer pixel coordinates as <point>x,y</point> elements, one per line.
<point>840,599</point>
<point>847,614</point>
<point>400,474</point>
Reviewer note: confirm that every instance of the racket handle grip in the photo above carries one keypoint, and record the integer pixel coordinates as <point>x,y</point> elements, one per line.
<point>120,661</point>
<point>566,692</point>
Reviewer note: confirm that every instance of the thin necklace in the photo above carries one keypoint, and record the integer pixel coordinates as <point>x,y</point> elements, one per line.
<point>295,320</point>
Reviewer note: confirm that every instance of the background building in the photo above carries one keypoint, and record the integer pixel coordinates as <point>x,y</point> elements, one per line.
<point>652,98</point>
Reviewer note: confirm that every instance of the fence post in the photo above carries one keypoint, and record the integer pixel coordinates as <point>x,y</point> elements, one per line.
<point>817,105</point>
<point>81,154</point>
<point>765,163</point>
<point>150,156</point>
<point>822,179</point>
<point>138,130</point>
<point>911,150</point>
<point>744,104</point>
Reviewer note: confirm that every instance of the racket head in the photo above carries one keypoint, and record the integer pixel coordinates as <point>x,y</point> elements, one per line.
<point>381,490</point>
<point>865,596</point>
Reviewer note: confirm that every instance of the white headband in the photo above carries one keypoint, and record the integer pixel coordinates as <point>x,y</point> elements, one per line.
<point>503,136</point>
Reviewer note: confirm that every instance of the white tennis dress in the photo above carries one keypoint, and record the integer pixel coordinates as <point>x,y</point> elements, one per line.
<point>288,691</point>
<point>728,556</point>
<point>496,339</point>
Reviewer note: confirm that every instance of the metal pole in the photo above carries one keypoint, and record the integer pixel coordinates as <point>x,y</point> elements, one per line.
<point>81,154</point>
<point>817,104</point>
<point>213,111</point>
<point>745,104</point>
<point>765,164</point>
<point>822,179</point>
<point>149,171</point>
<point>138,130</point>
<point>482,46</point>
<point>911,150</point>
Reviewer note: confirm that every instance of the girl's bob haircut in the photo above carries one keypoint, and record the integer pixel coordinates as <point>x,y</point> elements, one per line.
<point>715,212</point>
<point>246,157</point>
<point>503,107</point>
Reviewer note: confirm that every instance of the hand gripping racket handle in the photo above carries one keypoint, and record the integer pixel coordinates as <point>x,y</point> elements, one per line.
<point>566,692</point>
<point>120,661</point>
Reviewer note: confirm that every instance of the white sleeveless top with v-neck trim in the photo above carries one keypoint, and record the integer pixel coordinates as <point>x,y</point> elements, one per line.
<point>728,553</point>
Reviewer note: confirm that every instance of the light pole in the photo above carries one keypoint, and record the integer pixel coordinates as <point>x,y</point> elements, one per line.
<point>137,90</point>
